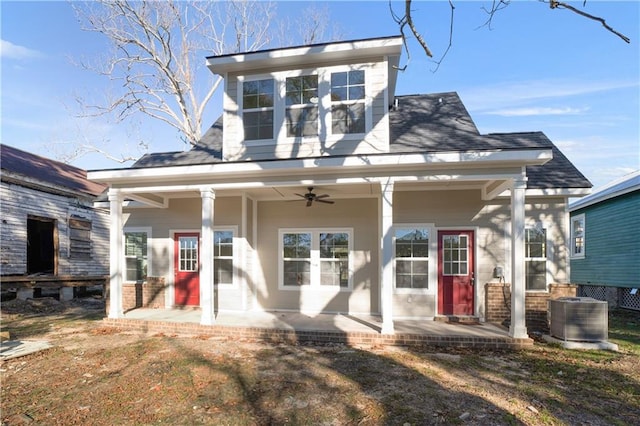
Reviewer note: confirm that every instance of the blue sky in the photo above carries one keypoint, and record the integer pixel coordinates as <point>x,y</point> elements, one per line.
<point>536,69</point>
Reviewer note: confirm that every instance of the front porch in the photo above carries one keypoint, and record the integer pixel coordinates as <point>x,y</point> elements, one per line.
<point>293,327</point>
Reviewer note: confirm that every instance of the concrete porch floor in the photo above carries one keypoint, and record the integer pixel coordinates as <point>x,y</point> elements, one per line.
<point>296,327</point>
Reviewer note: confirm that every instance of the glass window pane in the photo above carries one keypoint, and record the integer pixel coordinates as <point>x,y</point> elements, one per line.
<point>463,268</point>
<point>403,249</point>
<point>266,86</point>
<point>250,88</point>
<point>403,281</point>
<point>420,267</point>
<point>223,271</point>
<point>356,77</point>
<point>250,101</point>
<point>420,281</point>
<point>356,92</point>
<point>338,79</point>
<point>535,275</point>
<point>403,266</point>
<point>338,94</point>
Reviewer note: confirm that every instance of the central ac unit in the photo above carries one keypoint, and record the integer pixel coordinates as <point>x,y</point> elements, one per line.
<point>578,318</point>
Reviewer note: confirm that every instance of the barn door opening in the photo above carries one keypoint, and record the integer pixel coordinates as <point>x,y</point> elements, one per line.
<point>42,245</point>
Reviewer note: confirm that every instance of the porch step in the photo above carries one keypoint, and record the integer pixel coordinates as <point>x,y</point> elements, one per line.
<point>458,319</point>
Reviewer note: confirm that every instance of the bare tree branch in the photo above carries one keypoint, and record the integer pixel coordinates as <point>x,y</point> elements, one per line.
<point>554,4</point>
<point>416,33</point>
<point>157,64</point>
<point>438,62</point>
<point>496,6</point>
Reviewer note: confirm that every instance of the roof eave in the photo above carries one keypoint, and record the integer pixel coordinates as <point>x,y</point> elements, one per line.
<point>299,56</point>
<point>388,162</point>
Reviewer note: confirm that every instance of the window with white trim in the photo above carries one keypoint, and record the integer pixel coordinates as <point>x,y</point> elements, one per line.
<point>223,256</point>
<point>301,99</point>
<point>257,109</point>
<point>535,252</point>
<point>577,236</point>
<point>136,255</point>
<point>455,250</point>
<point>315,258</point>
<point>411,245</point>
<point>348,102</point>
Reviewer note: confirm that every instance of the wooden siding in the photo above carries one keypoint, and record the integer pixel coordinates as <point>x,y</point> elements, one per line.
<point>19,203</point>
<point>612,243</point>
<point>375,141</point>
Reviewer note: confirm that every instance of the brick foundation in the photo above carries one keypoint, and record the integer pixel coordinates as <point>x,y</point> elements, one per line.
<point>149,294</point>
<point>319,337</point>
<point>498,303</point>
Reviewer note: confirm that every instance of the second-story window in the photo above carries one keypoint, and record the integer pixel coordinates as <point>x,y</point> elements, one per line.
<point>348,102</point>
<point>257,109</point>
<point>302,106</point>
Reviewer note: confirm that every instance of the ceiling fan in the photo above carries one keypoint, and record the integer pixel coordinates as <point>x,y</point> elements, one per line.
<point>311,197</point>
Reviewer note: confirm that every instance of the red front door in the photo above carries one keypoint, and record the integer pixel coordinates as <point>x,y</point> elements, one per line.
<point>455,272</point>
<point>187,271</point>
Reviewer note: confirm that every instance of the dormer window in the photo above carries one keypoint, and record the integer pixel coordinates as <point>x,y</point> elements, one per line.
<point>301,100</point>
<point>257,109</point>
<point>348,102</point>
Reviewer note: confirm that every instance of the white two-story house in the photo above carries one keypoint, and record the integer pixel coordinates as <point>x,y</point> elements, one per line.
<point>320,190</point>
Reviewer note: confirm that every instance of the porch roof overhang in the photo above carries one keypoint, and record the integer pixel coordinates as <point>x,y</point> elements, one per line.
<point>491,171</point>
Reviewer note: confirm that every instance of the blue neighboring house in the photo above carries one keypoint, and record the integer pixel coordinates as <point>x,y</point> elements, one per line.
<point>605,243</point>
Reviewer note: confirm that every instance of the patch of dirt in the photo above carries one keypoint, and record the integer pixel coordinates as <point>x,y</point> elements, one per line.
<point>102,375</point>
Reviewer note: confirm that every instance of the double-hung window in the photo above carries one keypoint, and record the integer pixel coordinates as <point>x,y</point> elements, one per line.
<point>318,258</point>
<point>136,255</point>
<point>535,252</point>
<point>412,257</point>
<point>257,109</point>
<point>348,102</point>
<point>223,257</point>
<point>301,100</point>
<point>577,236</point>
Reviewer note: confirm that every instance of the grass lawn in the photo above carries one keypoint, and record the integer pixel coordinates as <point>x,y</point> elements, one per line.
<point>96,375</point>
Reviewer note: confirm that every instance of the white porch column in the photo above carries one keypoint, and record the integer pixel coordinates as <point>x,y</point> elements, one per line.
<point>518,328</point>
<point>386,261</point>
<point>206,258</point>
<point>116,256</point>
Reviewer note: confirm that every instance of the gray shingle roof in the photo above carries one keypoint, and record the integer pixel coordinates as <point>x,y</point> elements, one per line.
<point>436,122</point>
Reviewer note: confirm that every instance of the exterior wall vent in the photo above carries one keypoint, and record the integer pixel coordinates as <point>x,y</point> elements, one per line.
<point>578,318</point>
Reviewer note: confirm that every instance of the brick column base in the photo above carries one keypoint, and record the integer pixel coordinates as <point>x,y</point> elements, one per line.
<point>149,294</point>
<point>498,304</point>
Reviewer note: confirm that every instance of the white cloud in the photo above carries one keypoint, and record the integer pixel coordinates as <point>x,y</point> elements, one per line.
<point>505,95</point>
<point>534,111</point>
<point>9,50</point>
